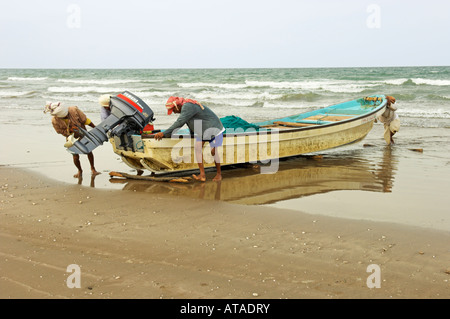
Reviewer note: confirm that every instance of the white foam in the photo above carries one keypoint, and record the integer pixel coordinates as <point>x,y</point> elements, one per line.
<point>216,85</point>
<point>153,94</point>
<point>14,93</point>
<point>287,106</point>
<point>431,82</point>
<point>63,98</point>
<point>16,78</point>
<point>100,82</point>
<point>417,81</point>
<point>83,89</point>
<point>239,95</point>
<point>395,81</point>
<point>336,86</point>
<point>276,85</point>
<point>436,113</point>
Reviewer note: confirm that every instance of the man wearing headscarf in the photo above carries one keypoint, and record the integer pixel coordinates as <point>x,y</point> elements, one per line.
<point>211,129</point>
<point>390,120</point>
<point>105,103</point>
<point>67,121</point>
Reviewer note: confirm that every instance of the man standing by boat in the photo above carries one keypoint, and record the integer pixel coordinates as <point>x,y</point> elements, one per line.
<point>66,121</point>
<point>105,103</point>
<point>390,120</point>
<point>205,125</point>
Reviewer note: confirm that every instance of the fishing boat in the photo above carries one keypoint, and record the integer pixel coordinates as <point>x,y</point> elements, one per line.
<point>262,142</point>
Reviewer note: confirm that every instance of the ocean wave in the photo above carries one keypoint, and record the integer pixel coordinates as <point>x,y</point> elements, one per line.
<point>420,81</point>
<point>16,94</point>
<point>417,81</point>
<point>409,82</point>
<point>287,106</point>
<point>23,106</point>
<point>438,97</point>
<point>71,98</point>
<point>17,78</point>
<point>239,98</point>
<point>289,85</point>
<point>83,89</point>
<point>338,86</point>
<point>311,96</point>
<point>334,86</point>
<point>417,98</point>
<point>343,86</point>
<point>395,81</point>
<point>148,97</point>
<point>99,82</point>
<point>245,96</point>
<point>230,104</point>
<point>213,85</point>
<point>423,113</point>
<point>154,94</point>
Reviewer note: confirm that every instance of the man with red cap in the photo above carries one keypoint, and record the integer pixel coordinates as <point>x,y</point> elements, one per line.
<point>201,121</point>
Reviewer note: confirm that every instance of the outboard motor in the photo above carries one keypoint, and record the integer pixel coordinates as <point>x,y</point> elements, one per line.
<point>129,116</point>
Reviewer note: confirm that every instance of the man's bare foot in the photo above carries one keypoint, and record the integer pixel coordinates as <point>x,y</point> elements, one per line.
<point>78,175</point>
<point>201,178</point>
<point>217,178</point>
<point>95,173</point>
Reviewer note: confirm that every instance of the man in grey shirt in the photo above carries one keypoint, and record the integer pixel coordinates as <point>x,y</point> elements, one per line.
<point>203,123</point>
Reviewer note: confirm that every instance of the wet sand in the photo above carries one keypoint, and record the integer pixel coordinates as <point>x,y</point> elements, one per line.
<point>137,245</point>
<point>228,240</point>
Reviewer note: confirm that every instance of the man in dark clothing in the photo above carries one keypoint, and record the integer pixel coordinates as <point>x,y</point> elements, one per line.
<point>211,130</point>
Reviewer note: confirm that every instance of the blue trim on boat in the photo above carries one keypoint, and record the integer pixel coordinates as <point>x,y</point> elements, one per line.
<point>360,108</point>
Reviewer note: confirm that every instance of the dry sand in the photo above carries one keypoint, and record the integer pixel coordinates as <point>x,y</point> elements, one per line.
<point>138,245</point>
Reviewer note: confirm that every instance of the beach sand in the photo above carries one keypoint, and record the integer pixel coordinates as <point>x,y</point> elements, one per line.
<point>137,245</point>
<point>233,240</point>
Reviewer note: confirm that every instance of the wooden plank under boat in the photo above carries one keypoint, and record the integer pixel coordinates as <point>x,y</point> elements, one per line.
<point>309,132</point>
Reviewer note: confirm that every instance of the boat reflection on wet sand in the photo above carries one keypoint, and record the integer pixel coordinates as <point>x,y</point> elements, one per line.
<point>297,177</point>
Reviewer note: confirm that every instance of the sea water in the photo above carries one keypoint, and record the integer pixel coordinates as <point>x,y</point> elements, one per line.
<point>392,183</point>
<point>423,93</point>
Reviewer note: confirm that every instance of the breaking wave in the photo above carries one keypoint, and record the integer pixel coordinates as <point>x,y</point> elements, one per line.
<point>16,94</point>
<point>17,78</point>
<point>83,89</point>
<point>99,82</point>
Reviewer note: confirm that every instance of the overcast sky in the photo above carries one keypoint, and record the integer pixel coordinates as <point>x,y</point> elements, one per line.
<point>223,34</point>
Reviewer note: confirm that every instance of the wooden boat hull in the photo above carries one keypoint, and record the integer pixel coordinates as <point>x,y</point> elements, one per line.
<point>277,141</point>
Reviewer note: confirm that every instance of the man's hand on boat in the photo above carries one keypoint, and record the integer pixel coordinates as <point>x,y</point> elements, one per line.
<point>159,136</point>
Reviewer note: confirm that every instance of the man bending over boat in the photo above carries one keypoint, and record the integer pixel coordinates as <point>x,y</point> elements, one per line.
<point>211,130</point>
<point>66,121</point>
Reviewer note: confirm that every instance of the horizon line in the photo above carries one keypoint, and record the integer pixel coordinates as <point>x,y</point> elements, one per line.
<point>216,68</point>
